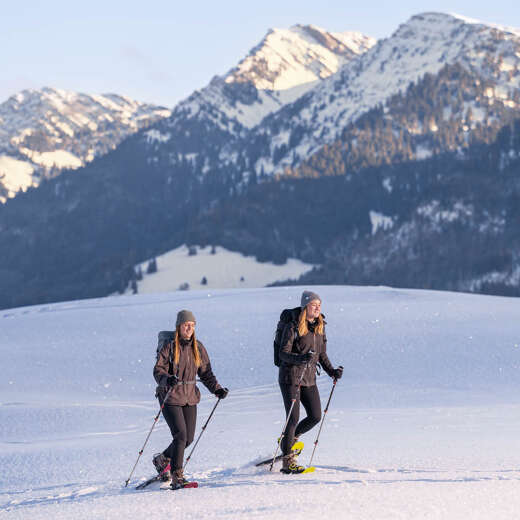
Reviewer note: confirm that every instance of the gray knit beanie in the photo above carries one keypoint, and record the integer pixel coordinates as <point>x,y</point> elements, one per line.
<point>307,297</point>
<point>184,316</point>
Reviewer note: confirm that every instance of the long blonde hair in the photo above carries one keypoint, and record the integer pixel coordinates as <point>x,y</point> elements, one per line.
<point>194,347</point>
<point>302,324</point>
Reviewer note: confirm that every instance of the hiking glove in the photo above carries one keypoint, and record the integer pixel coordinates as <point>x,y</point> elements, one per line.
<point>172,380</point>
<point>306,358</point>
<point>221,393</point>
<point>337,373</point>
<point>169,381</point>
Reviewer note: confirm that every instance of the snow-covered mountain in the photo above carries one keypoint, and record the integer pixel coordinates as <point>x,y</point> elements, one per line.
<point>424,44</point>
<point>251,125</point>
<point>45,131</point>
<point>282,67</point>
<point>441,76</point>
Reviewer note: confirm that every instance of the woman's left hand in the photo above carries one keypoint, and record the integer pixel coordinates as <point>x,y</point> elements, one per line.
<point>338,372</point>
<point>221,393</point>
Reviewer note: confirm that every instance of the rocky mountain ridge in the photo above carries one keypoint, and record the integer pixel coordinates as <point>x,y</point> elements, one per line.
<point>45,131</point>
<point>423,45</point>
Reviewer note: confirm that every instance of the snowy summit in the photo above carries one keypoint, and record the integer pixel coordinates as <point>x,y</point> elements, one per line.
<point>281,68</point>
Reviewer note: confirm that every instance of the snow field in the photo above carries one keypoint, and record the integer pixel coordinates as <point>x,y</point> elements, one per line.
<point>424,423</point>
<point>223,270</point>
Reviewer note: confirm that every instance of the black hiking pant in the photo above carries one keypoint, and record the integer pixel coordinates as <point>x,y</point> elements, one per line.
<point>310,398</point>
<point>182,421</point>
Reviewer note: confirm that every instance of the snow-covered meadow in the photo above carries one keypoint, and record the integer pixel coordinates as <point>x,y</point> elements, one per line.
<point>218,267</point>
<point>424,424</point>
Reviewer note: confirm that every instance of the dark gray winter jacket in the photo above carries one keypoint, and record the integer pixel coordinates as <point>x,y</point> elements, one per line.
<point>186,391</point>
<point>293,346</point>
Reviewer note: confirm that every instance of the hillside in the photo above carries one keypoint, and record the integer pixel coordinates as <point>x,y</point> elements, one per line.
<point>423,423</point>
<point>210,268</point>
<point>44,131</point>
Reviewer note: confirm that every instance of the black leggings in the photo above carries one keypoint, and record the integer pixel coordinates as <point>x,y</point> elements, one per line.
<point>182,421</point>
<point>310,398</point>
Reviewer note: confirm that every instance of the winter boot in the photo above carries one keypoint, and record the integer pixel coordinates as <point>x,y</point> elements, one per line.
<point>290,464</point>
<point>178,480</point>
<point>298,448</point>
<point>161,461</point>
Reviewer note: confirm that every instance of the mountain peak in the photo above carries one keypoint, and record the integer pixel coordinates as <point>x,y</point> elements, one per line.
<point>281,68</point>
<point>286,58</point>
<point>437,19</point>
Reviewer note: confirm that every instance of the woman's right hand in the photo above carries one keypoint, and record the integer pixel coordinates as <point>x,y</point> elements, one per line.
<point>169,381</point>
<point>338,372</point>
<point>303,359</point>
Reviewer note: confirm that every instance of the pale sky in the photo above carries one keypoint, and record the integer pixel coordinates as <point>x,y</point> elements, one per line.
<point>159,51</point>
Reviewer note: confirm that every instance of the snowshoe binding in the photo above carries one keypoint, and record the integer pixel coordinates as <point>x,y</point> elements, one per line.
<point>161,463</point>
<point>179,482</point>
<point>290,462</point>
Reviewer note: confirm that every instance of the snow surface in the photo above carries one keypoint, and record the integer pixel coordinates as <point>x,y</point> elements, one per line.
<point>15,174</point>
<point>296,56</point>
<point>424,423</point>
<point>57,158</point>
<point>223,270</point>
<point>380,221</point>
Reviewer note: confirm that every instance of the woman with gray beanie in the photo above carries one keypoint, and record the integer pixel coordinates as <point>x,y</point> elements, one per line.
<point>180,359</point>
<point>303,345</point>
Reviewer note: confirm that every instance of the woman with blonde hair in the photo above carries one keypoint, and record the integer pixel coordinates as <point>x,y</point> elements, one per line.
<point>303,346</point>
<point>181,357</point>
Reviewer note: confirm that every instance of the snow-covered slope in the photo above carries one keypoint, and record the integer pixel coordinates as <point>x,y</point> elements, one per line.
<point>218,267</point>
<point>422,45</point>
<point>44,131</point>
<point>424,423</point>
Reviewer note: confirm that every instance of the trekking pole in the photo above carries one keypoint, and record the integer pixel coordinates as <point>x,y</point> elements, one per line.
<point>323,420</point>
<point>200,434</point>
<point>148,436</point>
<point>280,439</point>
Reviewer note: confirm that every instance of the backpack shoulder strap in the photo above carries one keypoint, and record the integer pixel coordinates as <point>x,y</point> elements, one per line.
<point>166,336</point>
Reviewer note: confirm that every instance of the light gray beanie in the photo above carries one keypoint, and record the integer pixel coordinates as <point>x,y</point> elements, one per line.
<point>184,316</point>
<point>307,297</point>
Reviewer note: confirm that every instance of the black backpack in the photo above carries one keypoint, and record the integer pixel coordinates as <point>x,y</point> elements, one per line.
<point>287,316</point>
<point>166,336</point>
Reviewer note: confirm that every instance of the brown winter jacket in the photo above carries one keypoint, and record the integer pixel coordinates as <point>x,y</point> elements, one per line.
<point>293,347</point>
<point>185,391</point>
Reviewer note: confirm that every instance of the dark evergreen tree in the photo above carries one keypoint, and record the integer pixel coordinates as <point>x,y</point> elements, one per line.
<point>152,266</point>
